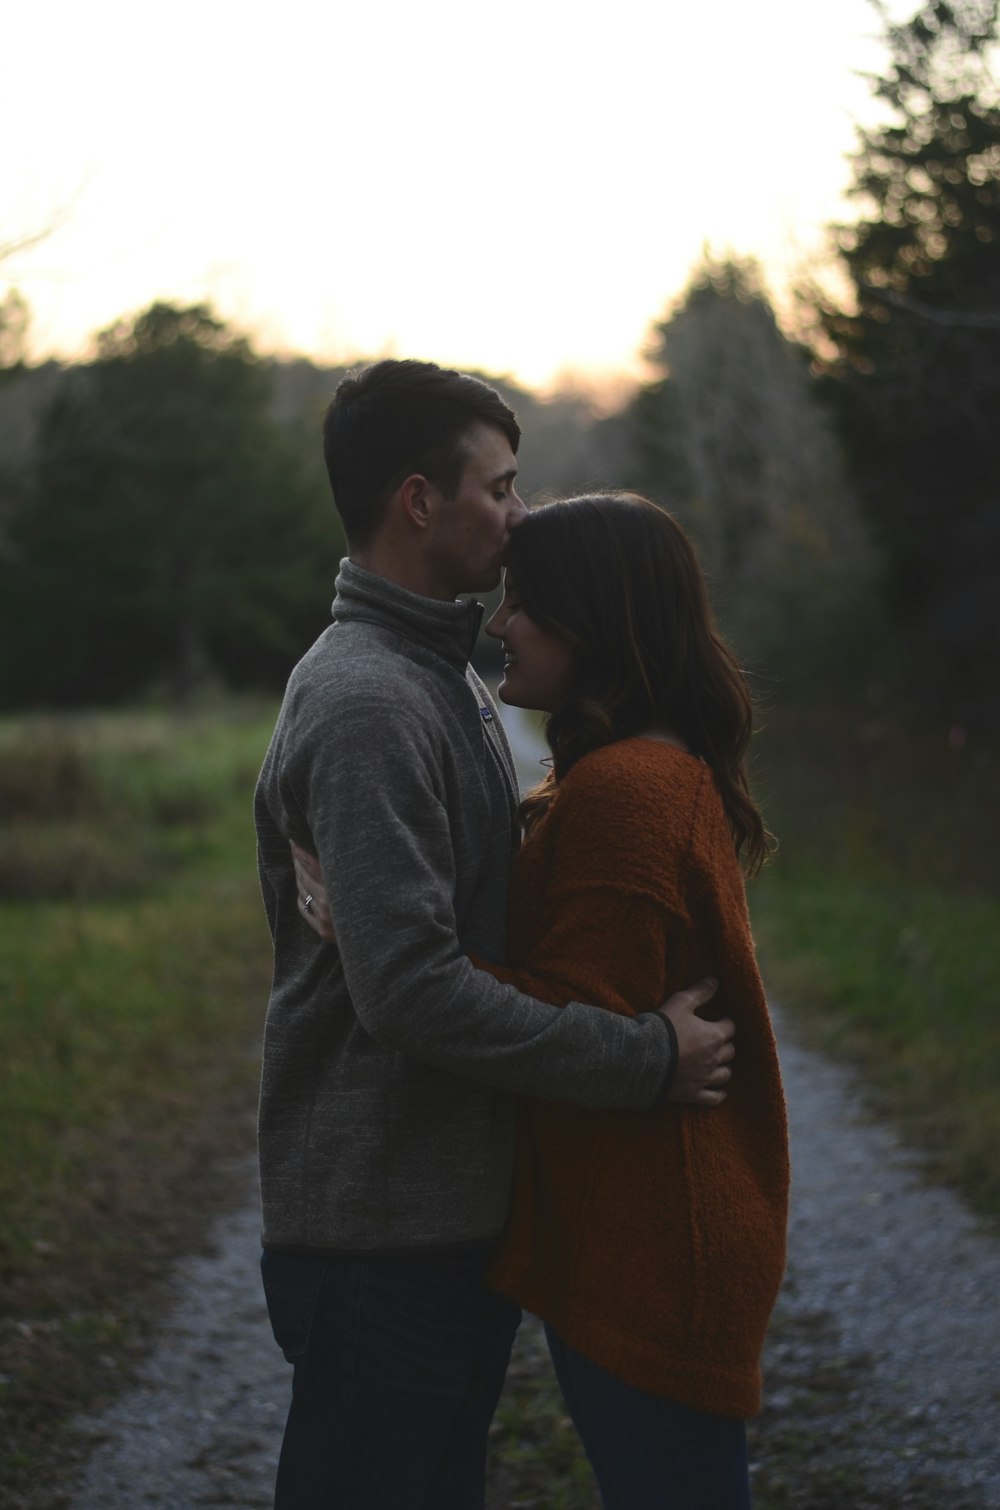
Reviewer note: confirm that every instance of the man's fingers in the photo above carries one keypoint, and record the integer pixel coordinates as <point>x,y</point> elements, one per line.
<point>718,1036</point>
<point>705,1048</point>
<point>693,997</point>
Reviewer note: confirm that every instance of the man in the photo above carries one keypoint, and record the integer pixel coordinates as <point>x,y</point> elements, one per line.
<point>390,1062</point>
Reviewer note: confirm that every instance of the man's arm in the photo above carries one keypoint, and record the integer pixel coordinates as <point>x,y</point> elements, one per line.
<point>368,777</point>
<point>704,1049</point>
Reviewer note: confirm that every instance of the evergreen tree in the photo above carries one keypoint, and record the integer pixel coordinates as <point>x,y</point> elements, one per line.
<point>171,533</point>
<point>916,362</point>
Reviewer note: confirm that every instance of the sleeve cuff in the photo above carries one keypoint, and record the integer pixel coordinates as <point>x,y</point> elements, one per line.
<point>668,1079</point>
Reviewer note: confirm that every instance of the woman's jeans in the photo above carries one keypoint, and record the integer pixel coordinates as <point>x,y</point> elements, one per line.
<point>399,1362</point>
<point>648,1453</point>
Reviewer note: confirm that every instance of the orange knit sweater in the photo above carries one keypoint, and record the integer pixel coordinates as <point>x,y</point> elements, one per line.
<point>653,1242</point>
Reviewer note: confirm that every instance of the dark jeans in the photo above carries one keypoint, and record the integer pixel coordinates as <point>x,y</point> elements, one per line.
<point>648,1453</point>
<point>399,1363</point>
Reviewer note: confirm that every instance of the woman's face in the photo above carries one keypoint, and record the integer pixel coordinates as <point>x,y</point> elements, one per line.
<point>538,667</point>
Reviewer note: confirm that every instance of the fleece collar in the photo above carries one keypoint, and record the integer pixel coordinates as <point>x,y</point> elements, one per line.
<point>449,629</point>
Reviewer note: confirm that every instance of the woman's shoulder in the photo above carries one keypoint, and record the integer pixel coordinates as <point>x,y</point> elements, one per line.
<point>641,769</point>
<point>632,812</point>
<point>641,787</point>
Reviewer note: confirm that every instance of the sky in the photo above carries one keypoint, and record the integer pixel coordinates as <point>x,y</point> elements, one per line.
<point>520,188</point>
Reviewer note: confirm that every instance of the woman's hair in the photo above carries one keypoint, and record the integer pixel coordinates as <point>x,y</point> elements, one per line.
<point>616,578</point>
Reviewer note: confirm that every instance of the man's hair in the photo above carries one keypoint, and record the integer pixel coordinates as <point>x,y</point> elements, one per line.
<point>391,419</point>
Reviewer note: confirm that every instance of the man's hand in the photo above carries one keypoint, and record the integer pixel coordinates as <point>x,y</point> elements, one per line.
<point>705,1049</point>
<point>312,901</point>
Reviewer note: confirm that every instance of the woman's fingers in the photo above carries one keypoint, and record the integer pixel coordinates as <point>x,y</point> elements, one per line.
<point>312,902</point>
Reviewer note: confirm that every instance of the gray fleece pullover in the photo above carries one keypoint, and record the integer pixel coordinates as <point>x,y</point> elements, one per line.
<point>390,1062</point>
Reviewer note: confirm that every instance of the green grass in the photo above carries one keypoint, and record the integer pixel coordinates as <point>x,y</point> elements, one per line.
<point>134,972</point>
<point>119,1012</point>
<point>107,806</point>
<point>878,924</point>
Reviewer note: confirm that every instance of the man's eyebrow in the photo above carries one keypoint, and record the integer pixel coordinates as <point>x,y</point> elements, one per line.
<point>507,476</point>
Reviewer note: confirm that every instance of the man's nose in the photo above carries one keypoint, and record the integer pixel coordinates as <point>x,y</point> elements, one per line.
<point>519,511</point>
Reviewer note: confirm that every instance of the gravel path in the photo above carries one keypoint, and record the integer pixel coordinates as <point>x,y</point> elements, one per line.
<point>892,1290</point>
<point>204,1425</point>
<point>889,1319</point>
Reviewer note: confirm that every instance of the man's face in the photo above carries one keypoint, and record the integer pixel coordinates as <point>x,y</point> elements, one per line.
<point>471,531</point>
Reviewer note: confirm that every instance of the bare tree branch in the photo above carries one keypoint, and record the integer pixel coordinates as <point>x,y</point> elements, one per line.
<point>966,319</point>
<point>23,243</point>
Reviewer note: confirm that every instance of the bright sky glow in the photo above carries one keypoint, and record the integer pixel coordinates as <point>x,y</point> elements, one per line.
<point>519,187</point>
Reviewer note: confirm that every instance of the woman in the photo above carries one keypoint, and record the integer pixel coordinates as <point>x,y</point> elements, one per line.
<point>651,1244</point>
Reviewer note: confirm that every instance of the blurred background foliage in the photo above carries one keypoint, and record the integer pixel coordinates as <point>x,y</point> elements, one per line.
<point>165,522</point>
<point>161,528</point>
<point>911,365</point>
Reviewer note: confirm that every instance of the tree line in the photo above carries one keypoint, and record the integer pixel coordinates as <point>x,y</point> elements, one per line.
<point>165,519</point>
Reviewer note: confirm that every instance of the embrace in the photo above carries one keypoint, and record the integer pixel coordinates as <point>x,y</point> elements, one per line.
<point>520,1055</point>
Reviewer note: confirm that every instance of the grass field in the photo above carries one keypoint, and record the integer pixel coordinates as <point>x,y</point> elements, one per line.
<point>878,925</point>
<point>134,966</point>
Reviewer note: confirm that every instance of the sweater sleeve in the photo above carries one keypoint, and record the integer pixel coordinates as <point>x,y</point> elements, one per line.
<point>379,821</point>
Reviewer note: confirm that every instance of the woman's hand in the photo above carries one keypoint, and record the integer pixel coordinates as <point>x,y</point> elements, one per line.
<point>313,903</point>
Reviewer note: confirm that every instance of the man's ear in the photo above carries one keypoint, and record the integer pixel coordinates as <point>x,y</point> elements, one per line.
<point>414,497</point>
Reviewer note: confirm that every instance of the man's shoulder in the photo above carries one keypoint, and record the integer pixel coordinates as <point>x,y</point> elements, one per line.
<point>357,659</point>
<point>361,683</point>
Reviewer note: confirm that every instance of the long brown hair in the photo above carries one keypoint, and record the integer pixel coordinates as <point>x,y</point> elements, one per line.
<point>616,578</point>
